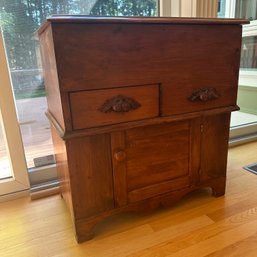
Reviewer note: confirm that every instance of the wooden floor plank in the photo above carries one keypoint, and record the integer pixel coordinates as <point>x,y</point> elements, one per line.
<point>219,241</point>
<point>197,237</point>
<point>148,240</point>
<point>198,225</point>
<point>246,247</point>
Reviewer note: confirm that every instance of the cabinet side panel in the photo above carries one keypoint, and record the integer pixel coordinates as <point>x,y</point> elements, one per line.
<point>50,75</point>
<point>215,146</point>
<point>62,168</point>
<point>91,175</point>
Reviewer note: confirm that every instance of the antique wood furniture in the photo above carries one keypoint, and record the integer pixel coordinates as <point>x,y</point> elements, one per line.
<point>140,109</point>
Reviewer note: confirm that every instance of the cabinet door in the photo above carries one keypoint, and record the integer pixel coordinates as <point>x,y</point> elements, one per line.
<point>155,159</point>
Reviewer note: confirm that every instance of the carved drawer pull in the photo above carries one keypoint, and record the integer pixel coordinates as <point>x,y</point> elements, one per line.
<point>120,156</point>
<point>204,94</point>
<point>119,103</point>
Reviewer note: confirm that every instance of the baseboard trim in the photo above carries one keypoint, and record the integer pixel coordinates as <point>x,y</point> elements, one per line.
<point>13,196</point>
<point>242,140</point>
<point>45,189</point>
<point>45,193</point>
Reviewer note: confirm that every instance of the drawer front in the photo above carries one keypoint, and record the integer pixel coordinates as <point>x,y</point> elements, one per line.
<point>110,106</point>
<point>184,98</point>
<point>206,74</point>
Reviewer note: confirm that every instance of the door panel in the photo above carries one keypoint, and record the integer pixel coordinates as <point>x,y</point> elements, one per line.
<point>159,156</point>
<point>155,159</point>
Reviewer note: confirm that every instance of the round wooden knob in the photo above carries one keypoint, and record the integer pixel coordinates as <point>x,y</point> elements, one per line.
<point>120,156</point>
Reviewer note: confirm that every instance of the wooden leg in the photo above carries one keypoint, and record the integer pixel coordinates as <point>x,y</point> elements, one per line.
<point>85,237</point>
<point>84,230</point>
<point>217,192</point>
<point>219,187</point>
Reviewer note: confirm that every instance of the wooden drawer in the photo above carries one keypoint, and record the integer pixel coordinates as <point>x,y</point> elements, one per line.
<point>109,106</point>
<point>182,98</point>
<point>205,75</point>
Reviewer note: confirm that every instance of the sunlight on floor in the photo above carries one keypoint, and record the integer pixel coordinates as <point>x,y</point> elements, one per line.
<point>241,118</point>
<point>5,171</point>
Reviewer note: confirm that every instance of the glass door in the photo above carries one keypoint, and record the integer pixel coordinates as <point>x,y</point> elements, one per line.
<point>13,170</point>
<point>20,21</point>
<point>5,168</point>
<point>244,122</point>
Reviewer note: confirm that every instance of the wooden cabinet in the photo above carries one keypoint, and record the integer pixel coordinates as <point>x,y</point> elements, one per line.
<point>140,109</point>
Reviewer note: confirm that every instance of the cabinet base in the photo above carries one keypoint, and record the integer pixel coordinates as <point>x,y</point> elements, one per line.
<point>84,227</point>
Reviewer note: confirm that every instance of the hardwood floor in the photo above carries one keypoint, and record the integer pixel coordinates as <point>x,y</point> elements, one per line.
<point>198,225</point>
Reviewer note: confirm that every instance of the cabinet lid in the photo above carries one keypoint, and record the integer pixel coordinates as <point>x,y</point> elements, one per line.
<point>140,20</point>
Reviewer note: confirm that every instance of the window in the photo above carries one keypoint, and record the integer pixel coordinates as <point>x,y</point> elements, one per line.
<point>244,122</point>
<point>13,170</point>
<point>5,169</point>
<point>246,9</point>
<point>249,53</point>
<point>221,8</point>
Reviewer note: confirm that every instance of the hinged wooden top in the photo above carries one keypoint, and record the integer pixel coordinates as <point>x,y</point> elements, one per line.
<point>140,20</point>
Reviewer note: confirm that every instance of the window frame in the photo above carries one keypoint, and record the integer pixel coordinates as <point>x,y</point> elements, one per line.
<point>247,132</point>
<point>19,182</point>
<point>248,77</point>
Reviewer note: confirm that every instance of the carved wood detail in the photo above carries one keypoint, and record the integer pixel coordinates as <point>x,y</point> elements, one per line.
<point>119,103</point>
<point>204,94</point>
